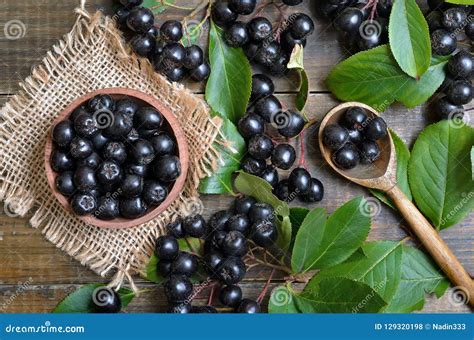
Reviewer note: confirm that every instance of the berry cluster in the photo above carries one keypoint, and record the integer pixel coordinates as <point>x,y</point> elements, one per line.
<point>257,37</point>
<point>114,158</point>
<point>353,19</point>
<point>354,140</point>
<point>226,243</point>
<point>162,46</point>
<point>265,110</point>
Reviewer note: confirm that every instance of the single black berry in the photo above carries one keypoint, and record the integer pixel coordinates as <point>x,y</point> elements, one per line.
<point>442,42</point>
<point>131,186</point>
<point>369,151</point>
<point>454,18</point>
<point>184,264</point>
<point>140,19</point>
<point>270,175</point>
<point>180,308</point>
<point>63,133</point>
<point>299,181</point>
<point>234,244</point>
<point>85,125</point>
<point>143,44</point>
<point>460,92</point>
<point>127,106</point>
<point>445,109</point>
<point>294,125</point>
<point>347,157</point>
<point>171,30</point>
<point>239,222</point>
<point>85,178</point>
<point>283,156</point>
<point>354,118</point>
<point>109,172</point>
<point>335,136</point>
<point>282,191</point>
<point>142,152</point>
<point>264,233</point>
<point>154,192</point>
<point>194,57</point>
<point>349,20</point>
<point>236,35</point>
<point>259,29</point>
<point>83,204</point>
<point>107,208</point>
<point>260,147</point>
<point>118,127</point>
<point>461,65</point>
<point>260,212</point>
<point>65,183</point>
<point>61,161</point>
<point>212,260</point>
<point>148,118</point>
<point>222,14</point>
<point>243,7</point>
<point>201,72</point>
<point>115,151</point>
<point>178,288</point>
<point>315,193</point>
<point>376,129</point>
<point>93,161</point>
<point>250,125</point>
<point>268,108</point>
<point>262,86</point>
<point>106,300</point>
<point>253,166</point>
<point>301,26</point>
<point>248,306</point>
<point>219,220</point>
<point>268,54</point>
<point>242,205</point>
<point>231,270</point>
<point>231,296</point>
<point>195,226</point>
<point>101,102</point>
<point>167,168</point>
<point>175,228</point>
<point>132,208</point>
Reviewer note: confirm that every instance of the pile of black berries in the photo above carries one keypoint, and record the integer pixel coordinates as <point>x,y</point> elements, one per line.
<point>354,140</point>
<point>161,46</point>
<point>261,44</point>
<point>114,158</point>
<point>226,236</point>
<point>265,113</point>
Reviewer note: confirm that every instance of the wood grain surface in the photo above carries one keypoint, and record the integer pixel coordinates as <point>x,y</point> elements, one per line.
<point>35,275</point>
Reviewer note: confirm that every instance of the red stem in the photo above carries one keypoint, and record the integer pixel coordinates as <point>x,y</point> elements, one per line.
<point>303,150</point>
<point>211,296</point>
<point>265,288</point>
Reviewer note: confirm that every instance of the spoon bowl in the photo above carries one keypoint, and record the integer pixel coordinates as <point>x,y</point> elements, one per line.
<point>379,175</point>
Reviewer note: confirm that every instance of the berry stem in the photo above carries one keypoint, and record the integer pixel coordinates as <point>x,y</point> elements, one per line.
<point>265,288</point>
<point>169,4</point>
<point>211,295</point>
<point>303,150</point>
<point>270,265</point>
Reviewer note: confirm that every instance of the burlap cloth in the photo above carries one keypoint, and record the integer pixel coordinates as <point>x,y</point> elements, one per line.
<point>93,56</point>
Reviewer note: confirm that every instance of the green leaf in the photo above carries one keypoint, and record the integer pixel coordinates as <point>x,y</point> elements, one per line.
<point>230,83</point>
<point>419,275</point>
<point>230,156</point>
<point>282,301</point>
<point>284,233</point>
<point>472,162</point>
<point>320,245</point>
<point>374,78</point>
<point>440,172</point>
<point>403,157</point>
<point>380,269</point>
<point>157,6</point>
<point>262,191</point>
<point>151,273</point>
<point>340,295</point>
<point>80,301</point>
<point>461,2</point>
<point>297,216</point>
<point>296,62</point>
<point>409,38</point>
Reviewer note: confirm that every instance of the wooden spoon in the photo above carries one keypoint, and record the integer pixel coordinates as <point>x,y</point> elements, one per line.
<point>382,175</point>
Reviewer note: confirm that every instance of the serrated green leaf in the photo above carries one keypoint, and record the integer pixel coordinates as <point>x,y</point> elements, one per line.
<point>157,6</point>
<point>439,172</point>
<point>340,295</point>
<point>409,38</point>
<point>80,301</point>
<point>262,190</point>
<point>419,275</point>
<point>380,269</point>
<point>296,62</point>
<point>297,216</point>
<point>230,156</point>
<point>282,301</point>
<point>230,83</point>
<point>374,78</point>
<point>403,157</point>
<point>320,245</point>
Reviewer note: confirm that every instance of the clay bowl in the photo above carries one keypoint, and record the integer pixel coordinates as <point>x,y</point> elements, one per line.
<point>171,125</point>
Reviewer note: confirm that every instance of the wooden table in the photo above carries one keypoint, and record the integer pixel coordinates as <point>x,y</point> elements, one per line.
<point>35,276</point>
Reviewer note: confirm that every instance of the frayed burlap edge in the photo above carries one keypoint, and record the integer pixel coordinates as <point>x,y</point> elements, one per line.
<point>90,57</point>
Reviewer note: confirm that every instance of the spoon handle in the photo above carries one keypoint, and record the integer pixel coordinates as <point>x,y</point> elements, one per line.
<point>433,243</point>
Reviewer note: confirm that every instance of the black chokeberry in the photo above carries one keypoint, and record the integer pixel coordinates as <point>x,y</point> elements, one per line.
<point>184,264</point>
<point>335,136</point>
<point>454,18</point>
<point>349,20</point>
<point>280,68</point>
<point>230,296</point>
<point>171,30</point>
<point>135,169</point>
<point>369,151</point>
<point>167,168</point>
<point>142,152</point>
<point>231,270</point>
<point>109,173</point>
<point>85,178</point>
<point>175,74</point>
<point>442,42</point>
<point>173,56</point>
<point>180,308</point>
<point>218,220</point>
<point>251,49</point>
<point>264,233</point>
<point>140,19</point>
<point>262,86</point>
<point>347,157</point>
<point>148,118</point>
<point>445,109</point>
<point>315,192</point>
<point>355,136</point>
<point>99,141</point>
<point>261,212</point>
<point>301,26</point>
<point>243,7</point>
<point>101,102</point>
<point>201,72</point>
<point>154,192</point>
<point>212,260</point>
<point>260,147</point>
<point>178,288</point>
<point>242,205</point>
<point>248,306</point>
<point>132,208</point>
<point>461,66</point>
<point>83,204</point>
<point>376,129</point>
<point>195,226</point>
<point>143,44</point>
<point>163,144</point>
<point>268,54</point>
<point>106,300</point>
<point>239,222</point>
<point>354,118</point>
<point>115,151</point>
<point>250,125</point>
<point>259,29</point>
<point>283,156</point>
<point>93,161</point>
<point>236,35</point>
<point>107,208</point>
<point>61,161</point>
<point>175,228</point>
<point>127,106</point>
<point>164,267</point>
<point>270,175</point>
<point>63,133</point>
<point>193,57</point>
<point>222,14</point>
<point>294,125</point>
<point>234,244</point>
<point>85,125</point>
<point>460,92</point>
<point>299,181</point>
<point>282,191</point>
<point>116,127</point>
<point>268,107</point>
<point>131,186</point>
<point>253,166</point>
<point>65,183</point>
